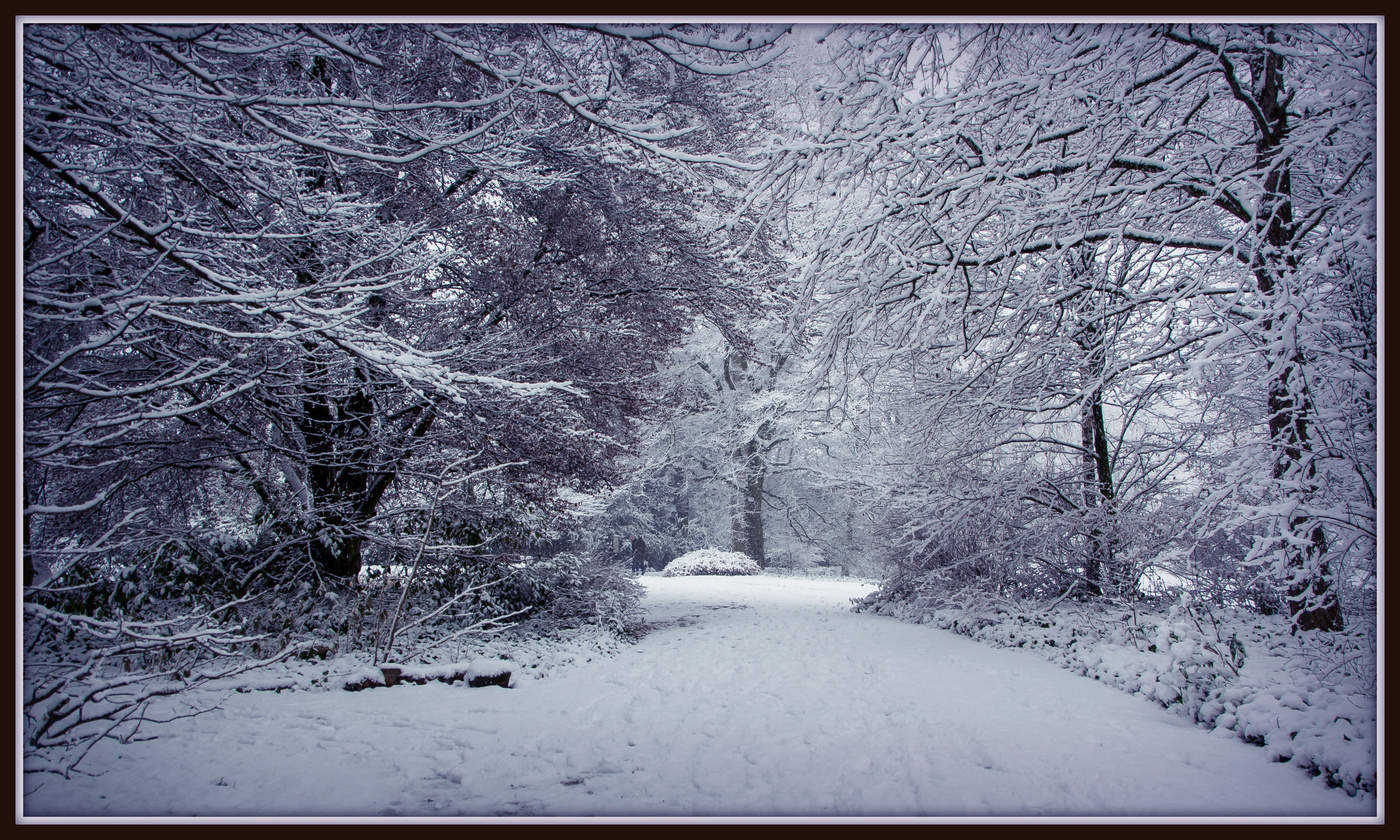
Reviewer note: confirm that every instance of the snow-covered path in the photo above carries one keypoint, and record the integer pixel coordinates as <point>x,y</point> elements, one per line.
<point>753,696</point>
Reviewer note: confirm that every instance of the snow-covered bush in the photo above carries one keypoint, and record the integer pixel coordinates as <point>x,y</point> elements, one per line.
<point>469,598</point>
<point>575,590</point>
<point>711,561</point>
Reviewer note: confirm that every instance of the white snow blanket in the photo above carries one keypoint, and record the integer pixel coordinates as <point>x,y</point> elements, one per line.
<point>752,696</point>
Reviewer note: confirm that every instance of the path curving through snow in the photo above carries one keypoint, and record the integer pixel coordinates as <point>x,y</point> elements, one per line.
<point>752,696</point>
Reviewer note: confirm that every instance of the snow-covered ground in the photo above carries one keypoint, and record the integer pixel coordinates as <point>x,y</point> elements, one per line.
<point>751,696</point>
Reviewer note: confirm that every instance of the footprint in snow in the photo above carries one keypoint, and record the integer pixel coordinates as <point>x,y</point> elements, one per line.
<point>452,777</point>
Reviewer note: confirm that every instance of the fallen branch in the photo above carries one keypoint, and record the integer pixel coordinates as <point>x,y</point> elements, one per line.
<point>70,706</point>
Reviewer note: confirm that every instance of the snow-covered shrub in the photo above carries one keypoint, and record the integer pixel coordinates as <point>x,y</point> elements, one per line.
<point>583,589</point>
<point>153,579</point>
<point>1201,660</point>
<point>711,561</point>
<point>469,598</point>
<point>917,596</point>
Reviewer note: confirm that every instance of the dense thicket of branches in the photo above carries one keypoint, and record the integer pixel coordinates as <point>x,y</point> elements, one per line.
<point>1116,283</point>
<point>299,298</point>
<point>301,266</point>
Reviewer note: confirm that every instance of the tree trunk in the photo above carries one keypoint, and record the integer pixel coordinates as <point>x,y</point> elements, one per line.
<point>1097,493</point>
<point>747,525</point>
<point>338,449</point>
<point>1312,599</point>
<point>679,483</point>
<point>1101,568</point>
<point>339,446</point>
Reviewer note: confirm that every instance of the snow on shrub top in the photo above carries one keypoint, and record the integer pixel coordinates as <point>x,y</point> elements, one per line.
<point>711,561</point>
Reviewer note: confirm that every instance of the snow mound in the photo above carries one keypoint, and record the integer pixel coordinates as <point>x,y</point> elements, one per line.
<point>711,561</point>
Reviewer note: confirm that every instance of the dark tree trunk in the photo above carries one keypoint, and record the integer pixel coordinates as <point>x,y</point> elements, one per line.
<point>337,482</point>
<point>1101,568</point>
<point>1098,497</point>
<point>1311,594</point>
<point>337,435</point>
<point>748,514</point>
<point>337,485</point>
<point>679,484</point>
<point>335,424</point>
<point>746,526</point>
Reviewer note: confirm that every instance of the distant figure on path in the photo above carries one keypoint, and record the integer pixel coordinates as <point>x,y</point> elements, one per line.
<point>639,556</point>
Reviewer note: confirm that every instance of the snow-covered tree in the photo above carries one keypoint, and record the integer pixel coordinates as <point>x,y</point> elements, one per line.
<point>285,282</point>
<point>304,256</point>
<point>1060,220</point>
